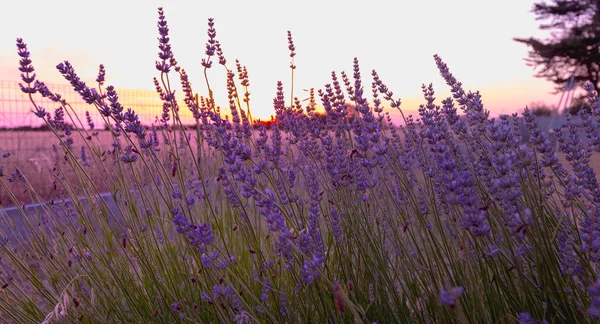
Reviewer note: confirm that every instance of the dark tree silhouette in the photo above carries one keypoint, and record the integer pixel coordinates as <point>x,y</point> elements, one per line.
<point>573,48</point>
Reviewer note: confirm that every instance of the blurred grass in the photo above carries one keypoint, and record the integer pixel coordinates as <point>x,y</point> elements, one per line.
<point>32,153</point>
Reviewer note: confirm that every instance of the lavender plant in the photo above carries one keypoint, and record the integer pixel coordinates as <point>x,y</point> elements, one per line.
<point>450,217</point>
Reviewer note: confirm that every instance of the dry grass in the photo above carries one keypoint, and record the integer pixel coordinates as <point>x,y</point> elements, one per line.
<point>33,154</point>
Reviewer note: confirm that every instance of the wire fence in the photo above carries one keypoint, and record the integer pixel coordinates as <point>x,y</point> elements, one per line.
<point>17,122</point>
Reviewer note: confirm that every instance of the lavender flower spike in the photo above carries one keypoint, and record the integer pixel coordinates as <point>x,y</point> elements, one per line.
<point>594,291</point>
<point>450,297</point>
<point>211,44</point>
<point>165,53</point>
<point>89,95</point>
<point>101,75</point>
<point>526,318</point>
<point>25,67</point>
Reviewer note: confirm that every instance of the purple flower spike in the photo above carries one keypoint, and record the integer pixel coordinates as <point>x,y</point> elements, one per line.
<point>89,95</point>
<point>16,176</point>
<point>201,236</point>
<point>46,93</point>
<point>592,98</point>
<point>222,59</point>
<point>311,269</point>
<point>115,107</point>
<point>449,297</point>
<point>101,74</point>
<point>527,318</point>
<point>129,158</point>
<point>455,87</point>
<point>590,235</point>
<point>25,67</point>
<point>211,44</point>
<point>89,120</point>
<point>40,112</point>
<point>165,54</point>
<point>206,260</point>
<point>181,222</point>
<point>594,291</point>
<point>291,46</point>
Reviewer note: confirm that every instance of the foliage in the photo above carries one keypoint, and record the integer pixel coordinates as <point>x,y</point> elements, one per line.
<point>541,109</point>
<point>577,104</point>
<point>573,49</point>
<point>446,219</point>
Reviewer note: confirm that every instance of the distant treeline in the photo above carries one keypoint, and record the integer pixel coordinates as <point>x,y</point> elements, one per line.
<point>46,128</point>
<point>42,128</point>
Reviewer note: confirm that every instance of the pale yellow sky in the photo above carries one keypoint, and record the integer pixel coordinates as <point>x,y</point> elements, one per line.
<point>474,37</point>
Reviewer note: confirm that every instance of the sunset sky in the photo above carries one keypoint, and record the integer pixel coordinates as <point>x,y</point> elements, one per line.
<point>473,37</point>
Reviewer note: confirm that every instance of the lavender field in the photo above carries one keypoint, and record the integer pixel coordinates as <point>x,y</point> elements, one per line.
<point>337,217</point>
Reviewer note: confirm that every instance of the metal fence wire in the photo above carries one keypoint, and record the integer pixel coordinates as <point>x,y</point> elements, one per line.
<point>17,121</point>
